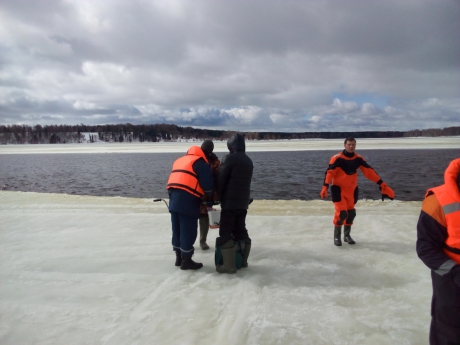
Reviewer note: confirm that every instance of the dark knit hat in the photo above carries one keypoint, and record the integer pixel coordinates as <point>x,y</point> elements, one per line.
<point>207,146</point>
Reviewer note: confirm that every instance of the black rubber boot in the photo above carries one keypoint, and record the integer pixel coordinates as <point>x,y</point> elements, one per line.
<point>228,258</point>
<point>247,249</point>
<point>204,228</point>
<point>189,264</point>
<point>346,233</point>
<point>178,258</point>
<point>337,235</point>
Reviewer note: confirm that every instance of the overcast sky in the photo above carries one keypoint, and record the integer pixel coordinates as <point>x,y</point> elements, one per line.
<point>252,65</point>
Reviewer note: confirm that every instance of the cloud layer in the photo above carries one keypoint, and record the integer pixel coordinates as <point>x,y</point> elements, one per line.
<point>241,65</point>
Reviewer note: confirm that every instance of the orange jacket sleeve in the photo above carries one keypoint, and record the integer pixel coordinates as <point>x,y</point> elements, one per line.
<point>369,172</point>
<point>330,173</point>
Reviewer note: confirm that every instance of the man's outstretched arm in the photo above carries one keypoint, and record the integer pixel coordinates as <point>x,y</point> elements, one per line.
<point>372,175</point>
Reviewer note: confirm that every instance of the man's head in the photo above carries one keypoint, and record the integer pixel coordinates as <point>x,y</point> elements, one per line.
<point>207,146</point>
<point>236,143</point>
<point>350,144</point>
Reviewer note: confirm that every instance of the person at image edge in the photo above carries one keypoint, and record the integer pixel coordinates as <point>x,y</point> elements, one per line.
<point>438,246</point>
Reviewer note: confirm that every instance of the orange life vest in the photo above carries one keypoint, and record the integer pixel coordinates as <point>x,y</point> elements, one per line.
<point>183,176</point>
<point>448,196</point>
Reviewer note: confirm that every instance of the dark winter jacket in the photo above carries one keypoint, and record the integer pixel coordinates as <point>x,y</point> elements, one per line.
<point>235,174</point>
<point>186,203</point>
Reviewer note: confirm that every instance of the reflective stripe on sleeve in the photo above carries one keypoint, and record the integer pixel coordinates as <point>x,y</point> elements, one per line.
<point>445,267</point>
<point>450,208</point>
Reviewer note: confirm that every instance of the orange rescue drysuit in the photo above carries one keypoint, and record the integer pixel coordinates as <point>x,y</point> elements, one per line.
<point>343,174</point>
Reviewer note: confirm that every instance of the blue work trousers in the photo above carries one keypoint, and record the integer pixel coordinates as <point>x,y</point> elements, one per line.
<point>184,233</point>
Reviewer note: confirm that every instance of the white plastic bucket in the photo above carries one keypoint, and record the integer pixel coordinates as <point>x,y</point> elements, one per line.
<point>214,218</point>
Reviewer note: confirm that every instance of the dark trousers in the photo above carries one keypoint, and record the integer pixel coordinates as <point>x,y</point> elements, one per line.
<point>445,311</point>
<point>184,232</point>
<point>232,226</point>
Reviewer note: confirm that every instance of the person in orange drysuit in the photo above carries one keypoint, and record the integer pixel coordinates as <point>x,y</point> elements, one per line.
<point>343,174</point>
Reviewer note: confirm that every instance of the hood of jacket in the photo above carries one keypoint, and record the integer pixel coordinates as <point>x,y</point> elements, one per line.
<point>197,151</point>
<point>452,178</point>
<point>236,143</point>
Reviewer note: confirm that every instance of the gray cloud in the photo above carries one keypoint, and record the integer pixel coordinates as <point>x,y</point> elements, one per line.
<point>248,65</point>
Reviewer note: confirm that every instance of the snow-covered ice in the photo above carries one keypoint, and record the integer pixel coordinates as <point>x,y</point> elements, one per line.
<point>251,145</point>
<point>100,270</point>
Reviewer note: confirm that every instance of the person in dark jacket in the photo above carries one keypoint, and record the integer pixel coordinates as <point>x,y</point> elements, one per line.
<point>214,163</point>
<point>438,246</point>
<point>190,181</point>
<point>233,189</point>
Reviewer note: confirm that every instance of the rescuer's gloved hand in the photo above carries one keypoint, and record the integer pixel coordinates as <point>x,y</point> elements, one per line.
<point>324,194</point>
<point>387,192</point>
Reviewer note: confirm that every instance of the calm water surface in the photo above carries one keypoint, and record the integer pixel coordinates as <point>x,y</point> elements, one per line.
<point>277,175</point>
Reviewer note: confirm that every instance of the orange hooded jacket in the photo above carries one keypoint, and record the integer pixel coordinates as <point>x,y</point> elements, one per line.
<point>183,176</point>
<point>448,197</point>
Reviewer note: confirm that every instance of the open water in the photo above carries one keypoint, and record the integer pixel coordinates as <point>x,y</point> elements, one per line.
<point>277,175</point>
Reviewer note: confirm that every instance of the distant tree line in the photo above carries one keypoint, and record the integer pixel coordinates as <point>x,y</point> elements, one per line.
<point>434,132</point>
<point>53,134</point>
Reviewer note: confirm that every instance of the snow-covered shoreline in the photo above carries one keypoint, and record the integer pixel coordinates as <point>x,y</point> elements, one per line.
<point>100,270</point>
<point>251,145</point>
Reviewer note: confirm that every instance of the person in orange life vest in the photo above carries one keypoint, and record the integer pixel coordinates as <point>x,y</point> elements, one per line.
<point>438,246</point>
<point>343,174</point>
<point>190,181</point>
<point>214,163</point>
